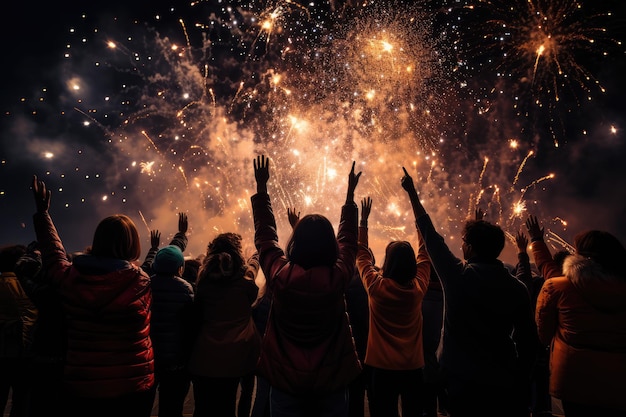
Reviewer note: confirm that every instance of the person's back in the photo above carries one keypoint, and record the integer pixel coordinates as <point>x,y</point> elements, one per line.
<point>582,316</point>
<point>227,343</point>
<point>107,301</point>
<point>308,355</point>
<point>489,339</point>
<point>395,352</point>
<point>18,319</point>
<point>172,302</point>
<point>49,338</point>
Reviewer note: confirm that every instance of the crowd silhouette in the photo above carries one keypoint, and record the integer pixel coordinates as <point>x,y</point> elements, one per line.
<point>326,332</point>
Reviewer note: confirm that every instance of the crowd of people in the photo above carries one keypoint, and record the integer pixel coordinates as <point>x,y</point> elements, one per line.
<point>326,332</point>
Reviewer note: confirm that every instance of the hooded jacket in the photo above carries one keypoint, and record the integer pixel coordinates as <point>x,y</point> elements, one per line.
<point>308,345</point>
<point>227,343</point>
<point>107,304</point>
<point>582,316</point>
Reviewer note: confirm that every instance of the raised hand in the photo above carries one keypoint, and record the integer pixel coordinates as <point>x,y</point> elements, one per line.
<point>183,224</point>
<point>521,241</point>
<point>366,208</point>
<point>292,216</point>
<point>409,187</point>
<point>479,214</point>
<point>41,194</point>
<point>155,239</point>
<point>261,172</point>
<point>353,181</point>
<point>534,230</point>
<point>407,183</point>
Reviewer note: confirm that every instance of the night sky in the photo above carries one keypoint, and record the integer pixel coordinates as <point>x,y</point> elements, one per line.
<point>170,118</point>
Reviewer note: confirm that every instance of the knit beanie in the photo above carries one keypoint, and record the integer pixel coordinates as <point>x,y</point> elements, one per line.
<point>167,260</point>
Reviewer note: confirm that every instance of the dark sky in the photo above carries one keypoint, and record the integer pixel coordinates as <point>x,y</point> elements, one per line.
<point>589,189</point>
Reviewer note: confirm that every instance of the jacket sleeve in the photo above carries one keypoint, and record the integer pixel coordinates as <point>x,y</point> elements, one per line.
<point>271,256</point>
<point>546,314</point>
<point>364,261</point>
<point>53,255</point>
<point>447,266</point>
<point>423,263</point>
<point>347,241</point>
<point>147,263</point>
<point>180,240</point>
<point>543,259</point>
<point>523,272</point>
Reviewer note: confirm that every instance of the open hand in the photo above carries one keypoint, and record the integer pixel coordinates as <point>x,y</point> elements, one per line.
<point>261,170</point>
<point>366,208</point>
<point>41,194</point>
<point>534,230</point>
<point>155,239</point>
<point>521,241</point>
<point>292,216</point>
<point>183,223</point>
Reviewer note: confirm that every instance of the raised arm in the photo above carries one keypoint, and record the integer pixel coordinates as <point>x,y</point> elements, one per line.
<point>180,238</point>
<point>409,187</point>
<point>353,181</point>
<point>522,269</point>
<point>261,173</point>
<point>541,254</point>
<point>155,242</point>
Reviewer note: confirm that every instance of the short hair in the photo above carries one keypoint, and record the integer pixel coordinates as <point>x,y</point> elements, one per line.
<point>116,237</point>
<point>559,257</point>
<point>487,239</point>
<point>313,242</point>
<point>400,263</point>
<point>9,255</point>
<point>603,248</point>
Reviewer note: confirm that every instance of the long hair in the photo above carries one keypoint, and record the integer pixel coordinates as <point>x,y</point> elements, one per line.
<point>116,237</point>
<point>604,248</point>
<point>400,263</point>
<point>313,242</point>
<point>224,258</point>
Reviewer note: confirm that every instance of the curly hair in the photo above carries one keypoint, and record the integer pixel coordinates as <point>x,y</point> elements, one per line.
<point>224,257</point>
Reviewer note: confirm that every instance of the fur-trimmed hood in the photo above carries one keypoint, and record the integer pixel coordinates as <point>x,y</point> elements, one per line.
<point>603,290</point>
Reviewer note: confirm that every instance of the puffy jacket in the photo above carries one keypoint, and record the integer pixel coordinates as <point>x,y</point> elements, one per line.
<point>308,345</point>
<point>18,318</point>
<point>172,302</point>
<point>107,303</point>
<point>582,316</point>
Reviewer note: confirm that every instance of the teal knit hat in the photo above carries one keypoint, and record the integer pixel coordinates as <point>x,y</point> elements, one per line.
<point>167,260</point>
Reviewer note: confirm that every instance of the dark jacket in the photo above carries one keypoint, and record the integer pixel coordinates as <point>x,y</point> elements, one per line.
<point>227,343</point>
<point>489,332</point>
<point>107,303</point>
<point>49,342</point>
<point>18,318</point>
<point>308,345</point>
<point>172,302</point>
